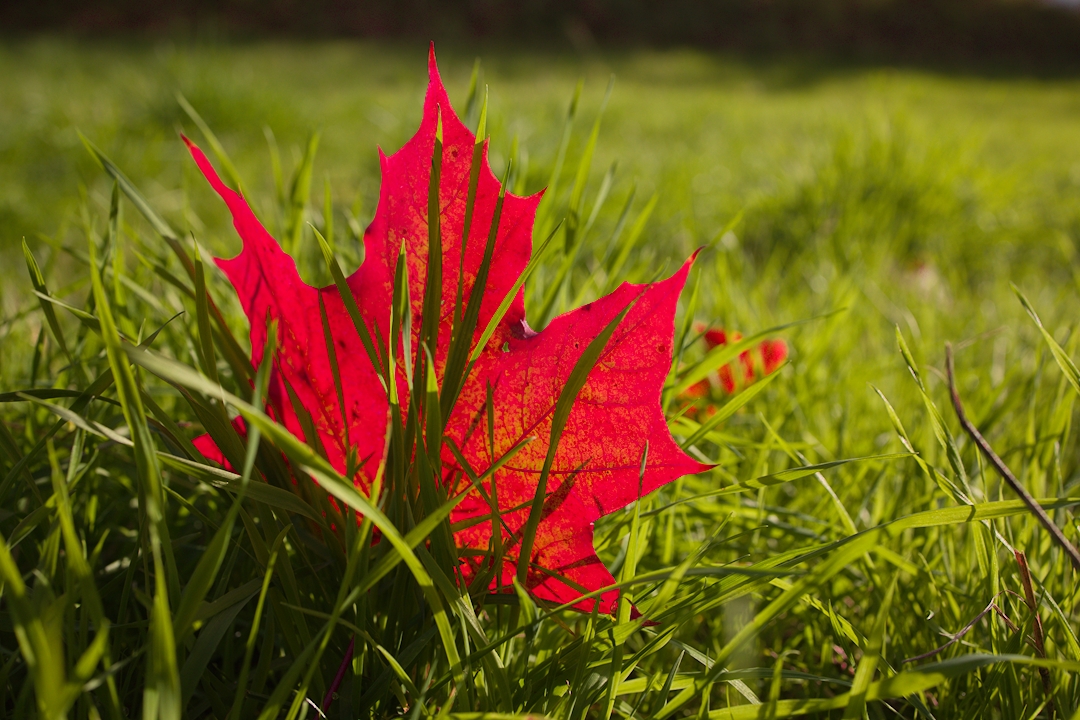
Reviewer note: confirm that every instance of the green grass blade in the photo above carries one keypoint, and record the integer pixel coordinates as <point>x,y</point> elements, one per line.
<point>732,406</point>
<point>721,355</point>
<point>210,636</point>
<point>581,177</point>
<point>500,312</point>
<point>470,203</point>
<point>565,403</point>
<point>331,352</point>
<point>38,282</point>
<point>162,693</point>
<point>864,673</point>
<point>456,372</point>
<point>160,226</point>
<point>42,650</point>
<point>215,144</point>
<point>299,194</point>
<point>626,247</point>
<point>1068,367</point>
<point>471,96</point>
<point>249,647</point>
<point>937,421</point>
<point>202,316</point>
<point>328,213</point>
<point>433,284</point>
<point>350,303</point>
<point>836,562</point>
<point>901,685</point>
<point>773,479</point>
<point>544,213</point>
<point>235,356</point>
<point>319,468</point>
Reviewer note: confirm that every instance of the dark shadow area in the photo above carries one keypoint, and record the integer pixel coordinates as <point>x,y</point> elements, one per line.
<point>995,37</point>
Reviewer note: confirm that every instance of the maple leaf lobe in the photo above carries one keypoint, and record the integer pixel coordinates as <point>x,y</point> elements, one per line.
<point>598,461</point>
<point>402,215</point>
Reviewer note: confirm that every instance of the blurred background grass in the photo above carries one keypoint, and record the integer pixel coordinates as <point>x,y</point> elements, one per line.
<point>974,177</point>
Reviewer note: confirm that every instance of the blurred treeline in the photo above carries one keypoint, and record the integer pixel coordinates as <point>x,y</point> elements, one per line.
<point>1020,35</point>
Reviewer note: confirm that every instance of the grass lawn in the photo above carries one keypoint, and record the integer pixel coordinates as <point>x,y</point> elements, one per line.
<point>867,216</point>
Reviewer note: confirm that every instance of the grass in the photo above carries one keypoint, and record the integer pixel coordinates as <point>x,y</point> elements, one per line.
<point>885,212</point>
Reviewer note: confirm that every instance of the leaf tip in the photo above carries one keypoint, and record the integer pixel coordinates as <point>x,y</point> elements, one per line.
<point>433,66</point>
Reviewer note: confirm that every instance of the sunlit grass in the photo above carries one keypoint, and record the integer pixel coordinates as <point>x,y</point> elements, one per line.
<point>875,209</point>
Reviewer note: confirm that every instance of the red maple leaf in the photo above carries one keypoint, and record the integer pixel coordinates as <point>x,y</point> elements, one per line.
<point>596,468</point>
